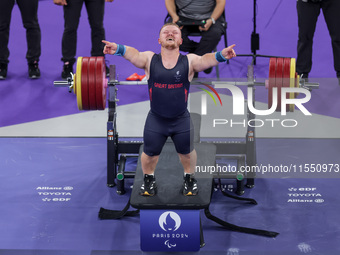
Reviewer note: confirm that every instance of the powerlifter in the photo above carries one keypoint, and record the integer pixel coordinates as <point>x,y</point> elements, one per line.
<point>169,75</point>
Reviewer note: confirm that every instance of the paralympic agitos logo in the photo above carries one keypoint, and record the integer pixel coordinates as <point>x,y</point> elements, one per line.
<point>209,93</point>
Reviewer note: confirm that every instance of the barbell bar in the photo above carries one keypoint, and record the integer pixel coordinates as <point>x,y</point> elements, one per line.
<point>89,83</point>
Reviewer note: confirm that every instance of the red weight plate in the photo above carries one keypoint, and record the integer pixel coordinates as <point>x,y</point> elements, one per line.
<point>85,84</point>
<point>100,83</point>
<point>278,81</point>
<point>286,77</point>
<point>271,81</point>
<point>92,83</point>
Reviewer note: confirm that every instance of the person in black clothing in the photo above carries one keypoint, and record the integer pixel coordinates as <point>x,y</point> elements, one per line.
<point>308,12</point>
<point>169,74</point>
<point>72,11</point>
<point>29,15</point>
<point>209,11</point>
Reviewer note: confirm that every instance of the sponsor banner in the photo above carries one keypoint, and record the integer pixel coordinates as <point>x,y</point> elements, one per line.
<point>304,195</point>
<point>54,193</point>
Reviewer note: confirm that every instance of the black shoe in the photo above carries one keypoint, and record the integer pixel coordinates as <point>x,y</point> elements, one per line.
<point>208,71</point>
<point>67,71</point>
<point>149,187</point>
<point>3,71</point>
<point>33,70</point>
<point>190,185</point>
<point>304,76</point>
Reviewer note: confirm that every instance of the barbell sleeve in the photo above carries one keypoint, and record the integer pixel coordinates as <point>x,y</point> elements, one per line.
<point>129,82</point>
<point>61,83</point>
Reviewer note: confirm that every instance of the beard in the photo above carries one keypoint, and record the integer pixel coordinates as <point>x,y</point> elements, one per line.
<point>170,46</point>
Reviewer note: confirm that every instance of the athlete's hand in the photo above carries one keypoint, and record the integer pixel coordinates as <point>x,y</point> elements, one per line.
<point>229,53</point>
<point>60,2</point>
<point>109,48</point>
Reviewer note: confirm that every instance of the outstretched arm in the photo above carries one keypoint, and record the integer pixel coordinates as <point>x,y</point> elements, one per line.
<point>137,58</point>
<point>200,63</point>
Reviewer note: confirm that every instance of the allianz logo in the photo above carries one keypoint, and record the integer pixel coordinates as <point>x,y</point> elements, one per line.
<point>55,188</point>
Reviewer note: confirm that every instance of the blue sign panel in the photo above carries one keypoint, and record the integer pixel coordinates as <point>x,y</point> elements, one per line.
<point>177,230</point>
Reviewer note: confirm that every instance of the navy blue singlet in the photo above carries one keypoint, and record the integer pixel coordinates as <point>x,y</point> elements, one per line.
<point>169,88</point>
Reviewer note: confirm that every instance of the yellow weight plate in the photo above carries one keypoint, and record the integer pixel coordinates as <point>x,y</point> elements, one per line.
<point>78,83</point>
<point>292,82</point>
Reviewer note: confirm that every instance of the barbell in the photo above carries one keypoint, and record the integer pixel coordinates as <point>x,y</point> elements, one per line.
<point>89,83</point>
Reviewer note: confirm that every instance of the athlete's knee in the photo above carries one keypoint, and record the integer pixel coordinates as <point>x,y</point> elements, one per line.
<point>149,158</point>
<point>184,156</point>
<point>149,152</point>
<point>190,152</point>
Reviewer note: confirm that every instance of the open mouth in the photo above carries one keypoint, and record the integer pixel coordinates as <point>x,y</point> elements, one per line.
<point>170,39</point>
